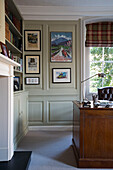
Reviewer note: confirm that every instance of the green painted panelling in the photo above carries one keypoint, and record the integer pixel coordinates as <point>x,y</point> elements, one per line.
<point>35,112</point>
<point>51,104</point>
<point>60,111</point>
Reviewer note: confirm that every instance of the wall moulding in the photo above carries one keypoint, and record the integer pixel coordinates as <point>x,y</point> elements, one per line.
<point>63,12</point>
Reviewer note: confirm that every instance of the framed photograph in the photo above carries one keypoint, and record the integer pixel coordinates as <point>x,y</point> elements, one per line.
<point>61,75</point>
<point>32,40</point>
<point>61,47</point>
<point>32,64</point>
<point>32,80</point>
<point>4,49</point>
<point>16,83</point>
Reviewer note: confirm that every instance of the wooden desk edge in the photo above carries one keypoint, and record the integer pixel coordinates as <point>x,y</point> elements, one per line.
<point>80,106</point>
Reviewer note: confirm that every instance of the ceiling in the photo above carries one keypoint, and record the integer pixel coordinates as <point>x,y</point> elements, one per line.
<point>65,2</point>
<point>63,9</point>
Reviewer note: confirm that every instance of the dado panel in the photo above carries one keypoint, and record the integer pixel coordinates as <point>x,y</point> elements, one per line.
<point>50,110</point>
<point>35,112</point>
<point>60,111</point>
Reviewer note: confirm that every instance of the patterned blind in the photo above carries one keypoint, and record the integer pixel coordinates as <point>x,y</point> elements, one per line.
<point>99,34</point>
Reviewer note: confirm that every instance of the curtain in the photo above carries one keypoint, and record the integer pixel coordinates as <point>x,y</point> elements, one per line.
<point>99,34</point>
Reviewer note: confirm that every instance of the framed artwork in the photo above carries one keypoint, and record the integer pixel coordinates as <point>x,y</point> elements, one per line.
<point>4,49</point>
<point>32,40</point>
<point>16,83</point>
<point>61,75</point>
<point>32,80</point>
<point>61,47</point>
<point>32,64</point>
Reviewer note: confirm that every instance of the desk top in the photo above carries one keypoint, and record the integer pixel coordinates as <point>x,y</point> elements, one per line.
<point>80,106</point>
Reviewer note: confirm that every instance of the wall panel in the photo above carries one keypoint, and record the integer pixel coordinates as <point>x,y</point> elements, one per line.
<point>35,112</point>
<point>49,103</point>
<point>60,111</point>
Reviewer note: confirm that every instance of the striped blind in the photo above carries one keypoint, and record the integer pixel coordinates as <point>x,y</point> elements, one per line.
<point>99,34</point>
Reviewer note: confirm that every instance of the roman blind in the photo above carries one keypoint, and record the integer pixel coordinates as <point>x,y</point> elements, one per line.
<point>99,34</point>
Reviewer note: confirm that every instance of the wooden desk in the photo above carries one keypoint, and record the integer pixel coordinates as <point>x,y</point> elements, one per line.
<point>93,140</point>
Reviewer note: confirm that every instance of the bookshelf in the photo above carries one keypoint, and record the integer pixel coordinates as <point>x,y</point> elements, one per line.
<point>14,38</point>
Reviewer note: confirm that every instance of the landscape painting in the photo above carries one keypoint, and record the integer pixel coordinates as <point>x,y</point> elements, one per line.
<point>61,46</point>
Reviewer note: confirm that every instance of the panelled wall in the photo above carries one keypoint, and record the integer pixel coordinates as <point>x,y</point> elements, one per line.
<point>49,103</point>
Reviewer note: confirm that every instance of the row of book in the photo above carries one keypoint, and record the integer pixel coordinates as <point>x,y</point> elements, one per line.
<point>12,38</point>
<point>12,17</point>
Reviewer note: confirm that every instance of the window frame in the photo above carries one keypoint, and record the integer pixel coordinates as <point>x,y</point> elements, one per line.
<point>88,94</point>
<point>83,52</point>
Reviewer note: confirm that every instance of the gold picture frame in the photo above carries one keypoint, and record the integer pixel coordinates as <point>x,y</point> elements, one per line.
<point>32,41</point>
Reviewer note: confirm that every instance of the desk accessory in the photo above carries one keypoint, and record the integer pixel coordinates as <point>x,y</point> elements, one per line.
<point>102,75</point>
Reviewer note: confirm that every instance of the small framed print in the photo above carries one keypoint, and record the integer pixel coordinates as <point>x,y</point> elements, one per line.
<point>4,49</point>
<point>32,64</point>
<point>61,75</point>
<point>16,83</point>
<point>32,40</point>
<point>32,80</point>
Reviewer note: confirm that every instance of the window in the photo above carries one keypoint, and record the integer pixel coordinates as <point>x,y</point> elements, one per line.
<point>100,61</point>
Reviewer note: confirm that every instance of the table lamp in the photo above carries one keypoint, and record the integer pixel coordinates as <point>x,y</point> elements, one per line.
<point>85,101</point>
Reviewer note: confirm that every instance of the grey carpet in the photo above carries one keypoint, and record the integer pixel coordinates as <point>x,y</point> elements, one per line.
<point>50,150</point>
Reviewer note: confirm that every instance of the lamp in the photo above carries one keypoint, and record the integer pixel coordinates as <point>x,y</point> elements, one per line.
<point>86,102</point>
<point>99,75</point>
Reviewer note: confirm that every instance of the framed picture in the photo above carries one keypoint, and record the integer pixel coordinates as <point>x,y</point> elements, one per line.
<point>32,40</point>
<point>61,47</point>
<point>4,49</point>
<point>32,80</point>
<point>16,83</point>
<point>61,75</point>
<point>32,64</point>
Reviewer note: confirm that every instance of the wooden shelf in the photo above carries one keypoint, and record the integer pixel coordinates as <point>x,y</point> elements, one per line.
<point>13,8</point>
<point>19,91</point>
<point>14,49</point>
<point>17,71</point>
<point>14,36</point>
<point>12,27</point>
<point>7,60</point>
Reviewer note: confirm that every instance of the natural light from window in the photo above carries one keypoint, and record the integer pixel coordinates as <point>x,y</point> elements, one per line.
<point>101,61</point>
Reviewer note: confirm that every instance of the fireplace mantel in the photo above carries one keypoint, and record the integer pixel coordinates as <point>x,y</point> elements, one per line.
<point>6,107</point>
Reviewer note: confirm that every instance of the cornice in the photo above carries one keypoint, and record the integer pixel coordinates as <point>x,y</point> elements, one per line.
<point>62,12</point>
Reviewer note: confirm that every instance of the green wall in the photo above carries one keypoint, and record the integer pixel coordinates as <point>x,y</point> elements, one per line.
<point>51,104</point>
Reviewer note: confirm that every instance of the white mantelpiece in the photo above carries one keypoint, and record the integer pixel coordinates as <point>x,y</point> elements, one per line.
<point>6,108</point>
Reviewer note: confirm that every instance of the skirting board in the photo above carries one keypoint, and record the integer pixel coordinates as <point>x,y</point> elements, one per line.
<point>19,138</point>
<point>5,154</point>
<point>52,128</point>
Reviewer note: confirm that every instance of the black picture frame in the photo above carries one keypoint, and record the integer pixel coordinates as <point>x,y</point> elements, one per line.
<point>16,83</point>
<point>32,40</point>
<point>34,67</point>
<point>63,73</point>
<point>32,81</point>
